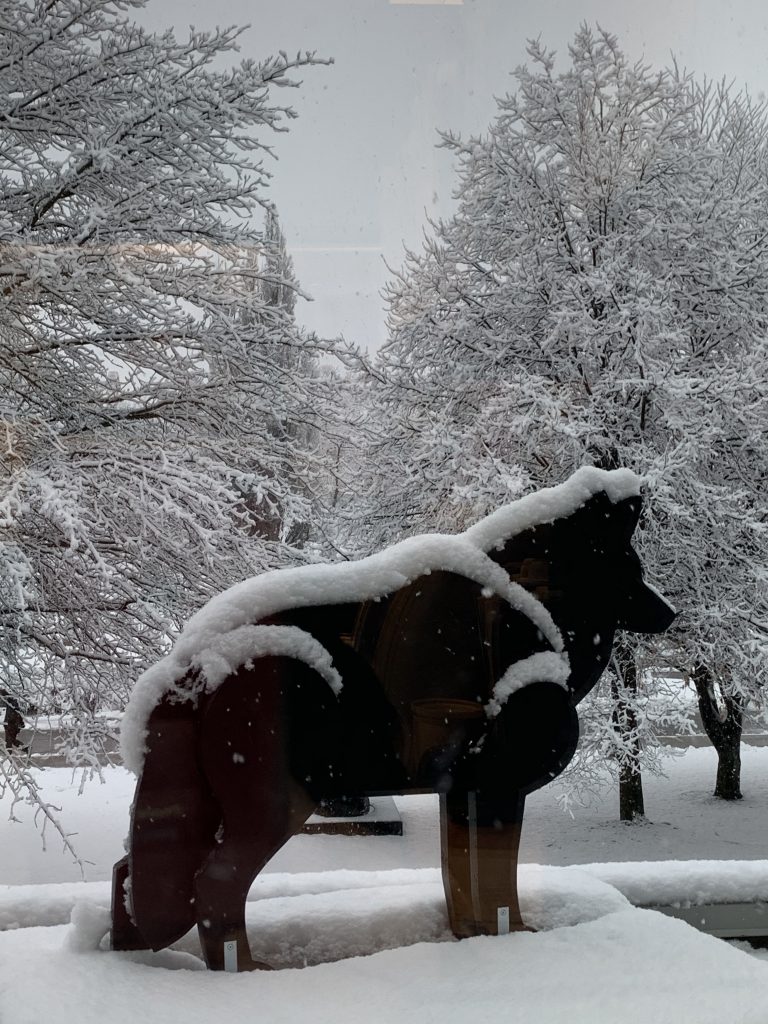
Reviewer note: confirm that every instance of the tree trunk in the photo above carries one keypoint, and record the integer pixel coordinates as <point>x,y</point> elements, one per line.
<point>723,725</point>
<point>624,690</point>
<point>14,721</point>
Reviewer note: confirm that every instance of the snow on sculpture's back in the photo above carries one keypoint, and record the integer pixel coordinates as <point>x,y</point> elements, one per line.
<point>446,664</point>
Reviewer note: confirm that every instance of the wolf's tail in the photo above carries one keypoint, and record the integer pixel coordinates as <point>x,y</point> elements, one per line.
<point>174,821</point>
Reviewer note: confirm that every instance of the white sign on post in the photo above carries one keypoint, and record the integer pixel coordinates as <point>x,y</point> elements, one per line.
<point>230,957</point>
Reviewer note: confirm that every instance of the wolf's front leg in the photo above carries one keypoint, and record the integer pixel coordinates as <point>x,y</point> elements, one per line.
<point>479,842</point>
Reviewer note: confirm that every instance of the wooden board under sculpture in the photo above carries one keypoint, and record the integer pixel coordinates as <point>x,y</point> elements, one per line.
<point>457,671</point>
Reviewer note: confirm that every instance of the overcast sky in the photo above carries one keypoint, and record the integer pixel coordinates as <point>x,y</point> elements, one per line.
<point>359,172</point>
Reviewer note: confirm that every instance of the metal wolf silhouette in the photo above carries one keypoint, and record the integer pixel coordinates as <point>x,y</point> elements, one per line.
<point>447,664</point>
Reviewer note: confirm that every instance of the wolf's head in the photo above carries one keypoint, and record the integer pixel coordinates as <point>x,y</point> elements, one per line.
<point>584,569</point>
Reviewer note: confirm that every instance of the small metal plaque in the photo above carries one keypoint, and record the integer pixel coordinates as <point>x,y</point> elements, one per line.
<point>230,957</point>
<point>502,920</point>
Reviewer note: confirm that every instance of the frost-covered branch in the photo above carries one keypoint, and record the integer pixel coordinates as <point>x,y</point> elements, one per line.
<point>163,421</point>
<point>601,297</point>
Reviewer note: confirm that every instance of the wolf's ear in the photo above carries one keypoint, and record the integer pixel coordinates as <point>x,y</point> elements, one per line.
<point>625,516</point>
<point>640,607</point>
<point>604,523</point>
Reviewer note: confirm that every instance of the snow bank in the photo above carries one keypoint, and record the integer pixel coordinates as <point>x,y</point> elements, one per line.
<point>550,897</point>
<point>209,632</point>
<point>632,966</point>
<point>31,906</point>
<point>311,918</point>
<point>91,923</point>
<point>319,927</point>
<point>564,897</point>
<point>685,882</point>
<point>36,906</point>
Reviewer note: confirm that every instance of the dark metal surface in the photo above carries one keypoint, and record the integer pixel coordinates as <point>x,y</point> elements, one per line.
<point>229,779</point>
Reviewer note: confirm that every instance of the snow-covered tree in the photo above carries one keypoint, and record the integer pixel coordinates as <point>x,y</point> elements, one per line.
<point>601,296</point>
<point>278,279</point>
<point>143,363</point>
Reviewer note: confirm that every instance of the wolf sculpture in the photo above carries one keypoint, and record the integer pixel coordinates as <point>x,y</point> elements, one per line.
<point>444,664</point>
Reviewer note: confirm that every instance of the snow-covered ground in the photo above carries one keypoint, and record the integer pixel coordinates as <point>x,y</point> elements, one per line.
<point>359,928</point>
<point>684,822</point>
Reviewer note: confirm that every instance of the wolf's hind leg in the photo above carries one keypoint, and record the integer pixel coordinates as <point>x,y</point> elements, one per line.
<point>245,758</point>
<point>173,824</point>
<point>223,882</point>
<point>124,934</point>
